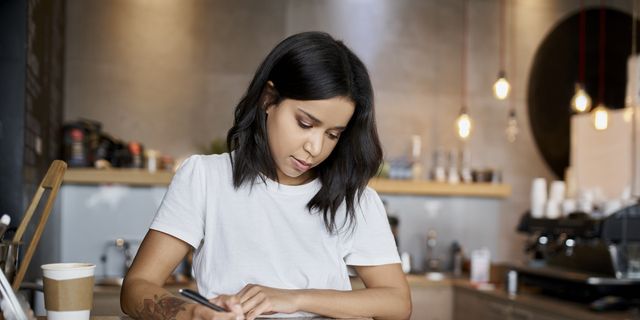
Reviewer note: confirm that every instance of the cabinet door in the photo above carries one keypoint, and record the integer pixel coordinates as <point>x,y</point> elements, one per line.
<point>519,313</point>
<point>496,311</point>
<point>434,303</point>
<point>464,305</point>
<point>471,306</point>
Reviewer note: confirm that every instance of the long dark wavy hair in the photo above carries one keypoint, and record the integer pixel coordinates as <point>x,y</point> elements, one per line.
<point>310,66</point>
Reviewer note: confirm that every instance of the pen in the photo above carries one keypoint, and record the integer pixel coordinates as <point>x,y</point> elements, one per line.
<point>200,299</point>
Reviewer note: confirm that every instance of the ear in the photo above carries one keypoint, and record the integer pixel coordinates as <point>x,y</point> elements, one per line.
<point>270,96</point>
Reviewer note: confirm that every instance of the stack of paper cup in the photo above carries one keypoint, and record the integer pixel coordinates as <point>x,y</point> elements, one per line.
<point>538,197</point>
<point>552,209</point>
<point>557,191</point>
<point>569,206</point>
<point>556,196</point>
<point>585,201</point>
<point>571,183</point>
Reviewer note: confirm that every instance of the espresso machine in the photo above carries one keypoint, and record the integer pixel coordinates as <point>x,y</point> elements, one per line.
<point>583,259</point>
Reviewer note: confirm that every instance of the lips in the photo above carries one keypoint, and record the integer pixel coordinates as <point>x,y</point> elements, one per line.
<point>301,165</point>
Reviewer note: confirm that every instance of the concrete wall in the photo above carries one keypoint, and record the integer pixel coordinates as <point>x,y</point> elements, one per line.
<point>169,73</point>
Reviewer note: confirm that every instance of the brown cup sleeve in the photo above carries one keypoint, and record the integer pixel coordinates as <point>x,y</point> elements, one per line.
<point>68,295</point>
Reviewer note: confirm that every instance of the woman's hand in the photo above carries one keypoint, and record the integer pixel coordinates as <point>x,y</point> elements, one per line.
<point>231,303</point>
<point>257,300</point>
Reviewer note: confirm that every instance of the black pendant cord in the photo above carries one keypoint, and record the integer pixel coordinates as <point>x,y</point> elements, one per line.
<point>635,187</point>
<point>583,18</point>
<point>514,54</point>
<point>465,36</point>
<point>502,36</point>
<point>602,52</point>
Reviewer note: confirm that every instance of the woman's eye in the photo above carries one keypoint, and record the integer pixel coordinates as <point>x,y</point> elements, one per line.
<point>333,136</point>
<point>303,125</point>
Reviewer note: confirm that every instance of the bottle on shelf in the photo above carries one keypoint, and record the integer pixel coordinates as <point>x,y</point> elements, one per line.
<point>137,160</point>
<point>416,164</point>
<point>465,171</point>
<point>453,177</point>
<point>439,171</point>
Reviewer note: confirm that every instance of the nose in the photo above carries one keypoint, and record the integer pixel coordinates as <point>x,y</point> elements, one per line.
<point>314,145</point>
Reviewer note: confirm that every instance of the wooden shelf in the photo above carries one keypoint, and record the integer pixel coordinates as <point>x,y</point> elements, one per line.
<point>137,177</point>
<point>141,177</point>
<point>430,188</point>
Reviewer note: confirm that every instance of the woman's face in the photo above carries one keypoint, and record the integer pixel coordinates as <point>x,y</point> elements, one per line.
<point>302,134</point>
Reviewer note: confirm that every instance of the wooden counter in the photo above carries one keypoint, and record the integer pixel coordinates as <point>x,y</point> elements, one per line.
<point>449,299</point>
<point>473,303</point>
<point>470,303</point>
<point>97,318</point>
<point>141,177</point>
<point>129,318</point>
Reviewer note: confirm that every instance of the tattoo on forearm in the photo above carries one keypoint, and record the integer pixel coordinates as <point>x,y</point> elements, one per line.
<point>164,308</point>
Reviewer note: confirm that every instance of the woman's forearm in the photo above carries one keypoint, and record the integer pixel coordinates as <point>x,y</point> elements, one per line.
<point>377,303</point>
<point>141,299</point>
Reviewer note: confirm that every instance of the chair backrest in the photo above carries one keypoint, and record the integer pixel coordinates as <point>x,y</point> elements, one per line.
<point>52,181</point>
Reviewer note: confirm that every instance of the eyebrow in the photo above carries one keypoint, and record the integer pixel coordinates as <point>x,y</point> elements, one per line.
<point>318,120</point>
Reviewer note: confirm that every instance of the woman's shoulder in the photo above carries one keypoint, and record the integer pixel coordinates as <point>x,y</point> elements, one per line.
<point>213,164</point>
<point>370,202</point>
<point>369,195</point>
<point>213,160</point>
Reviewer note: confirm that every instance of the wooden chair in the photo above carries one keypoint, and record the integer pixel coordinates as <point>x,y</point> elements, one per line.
<point>51,181</point>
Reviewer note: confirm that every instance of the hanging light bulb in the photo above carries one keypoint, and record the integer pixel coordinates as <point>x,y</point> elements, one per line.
<point>512,128</point>
<point>581,101</point>
<point>501,87</point>
<point>600,117</point>
<point>464,125</point>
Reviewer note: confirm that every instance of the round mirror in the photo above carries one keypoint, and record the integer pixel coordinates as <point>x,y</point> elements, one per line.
<point>555,72</point>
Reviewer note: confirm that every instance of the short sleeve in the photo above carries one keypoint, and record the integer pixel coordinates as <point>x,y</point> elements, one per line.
<point>181,213</point>
<point>372,242</point>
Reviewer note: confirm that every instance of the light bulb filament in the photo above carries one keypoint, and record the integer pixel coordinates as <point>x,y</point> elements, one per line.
<point>601,119</point>
<point>581,101</point>
<point>464,126</point>
<point>501,88</point>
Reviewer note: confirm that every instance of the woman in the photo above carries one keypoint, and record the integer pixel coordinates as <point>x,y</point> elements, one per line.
<point>276,223</point>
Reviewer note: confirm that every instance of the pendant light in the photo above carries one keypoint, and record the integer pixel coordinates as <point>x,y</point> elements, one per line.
<point>512,123</point>
<point>501,87</point>
<point>600,115</point>
<point>512,126</point>
<point>464,124</point>
<point>581,101</point>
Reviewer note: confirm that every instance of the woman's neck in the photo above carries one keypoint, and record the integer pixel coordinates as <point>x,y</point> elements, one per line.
<point>296,181</point>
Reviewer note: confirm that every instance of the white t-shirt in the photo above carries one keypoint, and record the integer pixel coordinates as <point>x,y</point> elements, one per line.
<point>265,234</point>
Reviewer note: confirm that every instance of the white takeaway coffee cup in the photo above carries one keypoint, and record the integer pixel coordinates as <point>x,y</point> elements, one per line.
<point>538,197</point>
<point>68,290</point>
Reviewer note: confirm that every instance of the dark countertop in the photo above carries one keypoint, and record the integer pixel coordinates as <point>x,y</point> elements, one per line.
<point>420,282</point>
<point>523,299</point>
